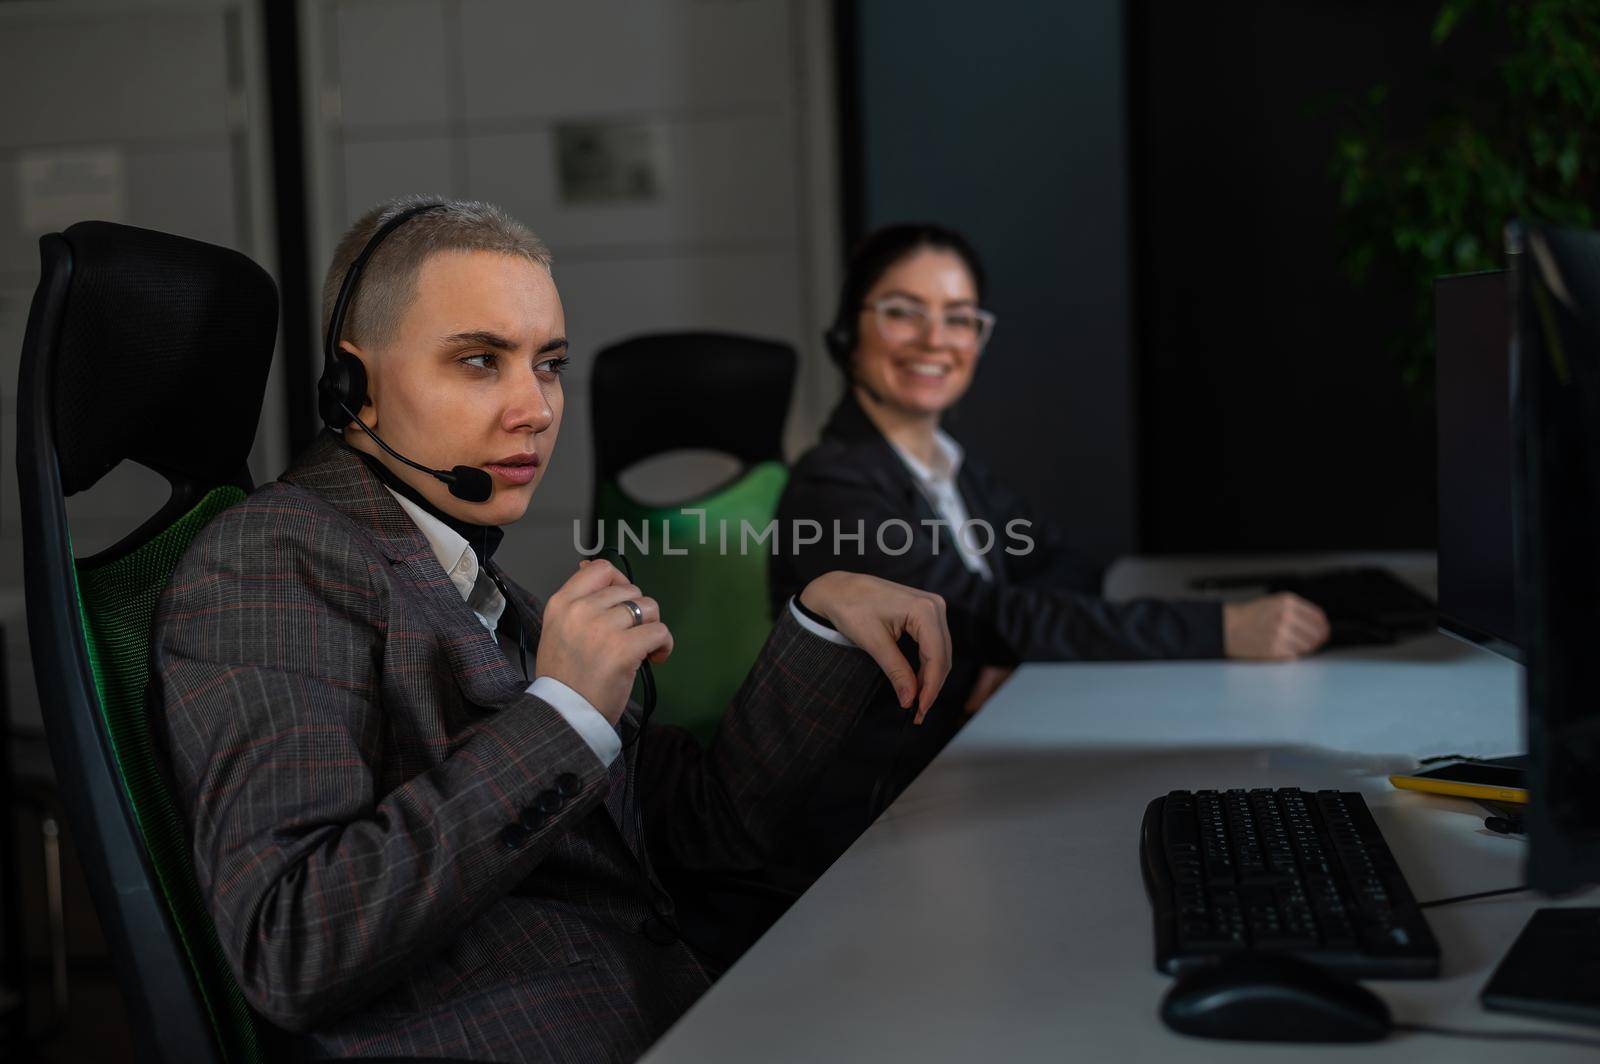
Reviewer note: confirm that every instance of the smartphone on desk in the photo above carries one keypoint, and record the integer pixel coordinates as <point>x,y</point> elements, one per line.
<point>1487,781</point>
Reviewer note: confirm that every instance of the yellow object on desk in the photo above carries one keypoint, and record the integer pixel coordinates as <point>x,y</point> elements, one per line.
<point>1461,788</point>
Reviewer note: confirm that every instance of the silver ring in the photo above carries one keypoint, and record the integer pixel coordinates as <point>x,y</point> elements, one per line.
<point>633,608</point>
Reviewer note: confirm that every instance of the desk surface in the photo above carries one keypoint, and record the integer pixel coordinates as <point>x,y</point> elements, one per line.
<point>996,910</point>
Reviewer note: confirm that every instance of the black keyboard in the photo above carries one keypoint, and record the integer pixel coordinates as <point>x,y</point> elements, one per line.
<point>1281,871</point>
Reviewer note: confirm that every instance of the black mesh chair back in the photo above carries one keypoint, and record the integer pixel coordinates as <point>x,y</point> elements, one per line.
<point>675,391</point>
<point>152,348</point>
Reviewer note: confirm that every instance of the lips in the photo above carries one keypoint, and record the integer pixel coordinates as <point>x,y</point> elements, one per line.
<point>518,468</point>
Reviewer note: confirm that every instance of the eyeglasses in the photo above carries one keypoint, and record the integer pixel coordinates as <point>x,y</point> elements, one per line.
<point>902,320</point>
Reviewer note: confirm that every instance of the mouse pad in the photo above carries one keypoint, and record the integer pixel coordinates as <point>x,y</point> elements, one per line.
<point>1553,969</point>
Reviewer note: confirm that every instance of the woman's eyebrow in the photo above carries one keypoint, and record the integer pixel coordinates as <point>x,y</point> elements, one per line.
<point>902,294</point>
<point>481,337</point>
<point>555,343</point>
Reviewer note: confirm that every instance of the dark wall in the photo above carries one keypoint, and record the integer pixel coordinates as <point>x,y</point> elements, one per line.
<point>1006,120</point>
<point>1273,414</point>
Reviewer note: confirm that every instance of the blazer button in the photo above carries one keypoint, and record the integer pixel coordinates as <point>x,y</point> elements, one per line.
<point>568,785</point>
<point>513,835</point>
<point>549,803</point>
<point>531,819</point>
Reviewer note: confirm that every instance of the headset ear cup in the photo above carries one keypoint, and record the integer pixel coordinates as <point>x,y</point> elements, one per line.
<point>840,341</point>
<point>344,384</point>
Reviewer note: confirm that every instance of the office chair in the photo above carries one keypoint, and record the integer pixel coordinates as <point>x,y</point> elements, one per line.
<point>700,390</point>
<point>152,348</point>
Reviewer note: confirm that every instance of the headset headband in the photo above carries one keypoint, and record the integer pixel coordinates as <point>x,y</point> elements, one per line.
<point>330,343</point>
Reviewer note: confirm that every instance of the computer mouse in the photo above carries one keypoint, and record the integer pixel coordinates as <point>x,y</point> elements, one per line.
<point>1267,998</point>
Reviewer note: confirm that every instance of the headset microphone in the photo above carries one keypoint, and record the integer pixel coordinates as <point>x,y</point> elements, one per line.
<point>467,483</point>
<point>343,387</point>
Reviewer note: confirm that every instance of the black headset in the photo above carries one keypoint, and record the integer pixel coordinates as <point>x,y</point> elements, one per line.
<point>343,387</point>
<point>841,338</point>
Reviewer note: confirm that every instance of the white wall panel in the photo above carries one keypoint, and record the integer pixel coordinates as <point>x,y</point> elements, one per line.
<point>727,180</point>
<point>600,57</point>
<point>209,207</point>
<point>187,189</point>
<point>611,299</point>
<point>120,74</point>
<point>392,62</point>
<point>379,170</point>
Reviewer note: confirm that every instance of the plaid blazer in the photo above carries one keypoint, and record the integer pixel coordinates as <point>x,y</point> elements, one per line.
<point>405,853</point>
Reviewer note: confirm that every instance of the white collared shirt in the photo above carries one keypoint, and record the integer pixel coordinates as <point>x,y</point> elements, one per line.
<point>938,485</point>
<point>460,564</point>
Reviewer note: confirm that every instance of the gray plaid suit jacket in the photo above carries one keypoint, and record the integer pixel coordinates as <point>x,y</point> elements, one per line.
<point>404,852</point>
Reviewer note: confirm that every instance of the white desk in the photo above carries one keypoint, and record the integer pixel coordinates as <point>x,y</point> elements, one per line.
<point>996,913</point>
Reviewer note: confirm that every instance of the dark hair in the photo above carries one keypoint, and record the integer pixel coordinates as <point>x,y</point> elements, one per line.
<point>873,257</point>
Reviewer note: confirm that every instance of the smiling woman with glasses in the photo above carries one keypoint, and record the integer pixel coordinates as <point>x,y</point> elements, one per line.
<point>897,497</point>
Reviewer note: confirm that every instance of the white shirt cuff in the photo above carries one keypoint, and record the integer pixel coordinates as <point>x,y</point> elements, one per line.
<point>830,634</point>
<point>584,718</point>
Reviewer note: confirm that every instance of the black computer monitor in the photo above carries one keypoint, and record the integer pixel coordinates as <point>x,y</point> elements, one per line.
<point>1477,570</point>
<point>1555,354</point>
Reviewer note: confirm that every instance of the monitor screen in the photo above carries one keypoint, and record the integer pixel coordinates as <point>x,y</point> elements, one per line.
<point>1556,419</point>
<point>1477,579</point>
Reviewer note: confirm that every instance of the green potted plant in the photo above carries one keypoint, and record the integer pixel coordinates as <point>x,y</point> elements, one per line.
<point>1521,139</point>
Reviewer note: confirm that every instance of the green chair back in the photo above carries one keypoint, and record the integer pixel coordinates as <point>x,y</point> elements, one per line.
<point>116,603</point>
<point>718,392</point>
<point>714,601</point>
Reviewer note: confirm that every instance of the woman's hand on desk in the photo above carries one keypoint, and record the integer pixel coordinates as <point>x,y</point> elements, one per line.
<point>873,614</point>
<point>1272,628</point>
<point>590,642</point>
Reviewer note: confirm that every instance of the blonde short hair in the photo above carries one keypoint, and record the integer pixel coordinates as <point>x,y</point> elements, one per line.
<point>389,279</point>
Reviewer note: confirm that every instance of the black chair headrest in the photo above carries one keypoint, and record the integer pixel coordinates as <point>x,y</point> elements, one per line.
<point>671,391</point>
<point>163,352</point>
